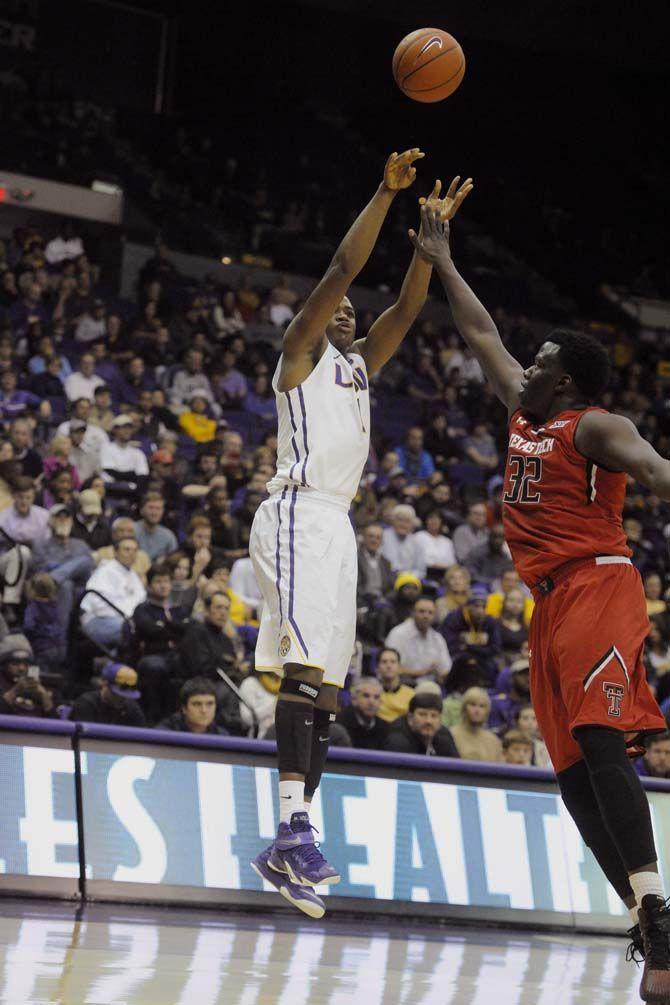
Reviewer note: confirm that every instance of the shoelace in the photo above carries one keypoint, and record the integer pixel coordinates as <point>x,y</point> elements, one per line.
<point>311,856</point>
<point>631,957</point>
<point>309,853</point>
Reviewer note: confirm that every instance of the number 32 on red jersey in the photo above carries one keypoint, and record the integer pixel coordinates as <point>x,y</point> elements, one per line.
<point>525,474</point>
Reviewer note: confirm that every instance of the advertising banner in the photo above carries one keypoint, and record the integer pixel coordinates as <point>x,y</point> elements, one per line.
<point>166,819</point>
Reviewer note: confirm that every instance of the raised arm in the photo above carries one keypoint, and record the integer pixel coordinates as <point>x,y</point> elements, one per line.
<point>306,331</point>
<point>473,321</point>
<point>390,328</point>
<point>613,442</point>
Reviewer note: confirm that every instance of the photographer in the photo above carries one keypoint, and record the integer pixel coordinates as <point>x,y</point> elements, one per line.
<point>20,690</point>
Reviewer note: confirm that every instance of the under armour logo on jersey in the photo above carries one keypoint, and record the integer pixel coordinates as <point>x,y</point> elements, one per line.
<point>615,694</point>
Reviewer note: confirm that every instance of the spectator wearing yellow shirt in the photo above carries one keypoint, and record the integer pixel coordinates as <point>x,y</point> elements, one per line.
<point>509,581</point>
<point>395,697</point>
<point>195,422</point>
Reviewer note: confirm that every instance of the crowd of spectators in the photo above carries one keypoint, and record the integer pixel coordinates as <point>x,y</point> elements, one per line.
<point>137,440</point>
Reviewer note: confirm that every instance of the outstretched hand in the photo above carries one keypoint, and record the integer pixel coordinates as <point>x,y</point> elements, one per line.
<point>399,172</point>
<point>449,206</point>
<point>432,242</point>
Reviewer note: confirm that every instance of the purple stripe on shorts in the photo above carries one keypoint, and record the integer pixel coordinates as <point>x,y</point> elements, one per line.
<point>295,430</point>
<point>304,432</point>
<point>278,554</point>
<point>294,496</point>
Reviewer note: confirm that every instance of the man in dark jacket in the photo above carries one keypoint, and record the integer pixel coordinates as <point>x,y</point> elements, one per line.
<point>421,730</point>
<point>361,720</point>
<point>469,629</point>
<point>158,630</point>
<point>115,703</point>
<point>197,709</point>
<point>204,648</point>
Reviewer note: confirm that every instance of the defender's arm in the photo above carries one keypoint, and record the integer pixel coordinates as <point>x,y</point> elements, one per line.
<point>473,321</point>
<point>306,330</point>
<point>613,442</point>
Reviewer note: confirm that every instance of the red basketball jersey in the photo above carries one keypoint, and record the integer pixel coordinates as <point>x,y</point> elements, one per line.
<point>557,504</point>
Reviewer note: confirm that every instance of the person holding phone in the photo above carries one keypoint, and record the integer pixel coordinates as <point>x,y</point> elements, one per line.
<point>21,692</point>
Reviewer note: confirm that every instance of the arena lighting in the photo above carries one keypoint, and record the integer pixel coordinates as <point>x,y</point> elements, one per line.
<point>106,187</point>
<point>226,260</point>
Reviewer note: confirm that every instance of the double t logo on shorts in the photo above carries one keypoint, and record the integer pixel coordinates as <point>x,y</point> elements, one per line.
<point>615,693</point>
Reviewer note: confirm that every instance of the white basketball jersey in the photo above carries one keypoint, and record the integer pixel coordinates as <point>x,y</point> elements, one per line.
<point>324,427</point>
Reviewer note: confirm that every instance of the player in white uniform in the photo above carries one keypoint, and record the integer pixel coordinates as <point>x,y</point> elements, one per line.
<point>302,545</point>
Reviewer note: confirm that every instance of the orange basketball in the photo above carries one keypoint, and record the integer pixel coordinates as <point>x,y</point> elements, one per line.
<point>428,64</point>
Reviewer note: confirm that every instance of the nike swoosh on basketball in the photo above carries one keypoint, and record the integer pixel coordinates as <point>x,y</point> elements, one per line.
<point>435,40</point>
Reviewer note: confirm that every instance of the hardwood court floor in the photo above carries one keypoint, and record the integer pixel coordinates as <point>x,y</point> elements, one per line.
<point>139,956</point>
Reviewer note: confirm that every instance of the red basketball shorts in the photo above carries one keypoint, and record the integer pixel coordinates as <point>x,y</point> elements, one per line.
<point>586,645</point>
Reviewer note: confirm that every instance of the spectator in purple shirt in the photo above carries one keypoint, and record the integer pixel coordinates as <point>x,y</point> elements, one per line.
<point>133,381</point>
<point>260,399</point>
<point>505,706</point>
<point>23,521</point>
<point>230,384</point>
<point>14,402</point>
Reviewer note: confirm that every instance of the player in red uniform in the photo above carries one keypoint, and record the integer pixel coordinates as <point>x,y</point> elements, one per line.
<point>563,498</point>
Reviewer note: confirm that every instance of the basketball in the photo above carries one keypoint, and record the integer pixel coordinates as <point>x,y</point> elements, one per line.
<point>428,65</point>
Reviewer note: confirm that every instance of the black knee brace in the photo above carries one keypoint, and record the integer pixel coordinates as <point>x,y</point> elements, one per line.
<point>320,744</point>
<point>292,685</point>
<point>621,799</point>
<point>581,803</point>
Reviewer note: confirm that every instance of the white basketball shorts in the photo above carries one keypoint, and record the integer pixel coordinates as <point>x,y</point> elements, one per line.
<point>303,550</point>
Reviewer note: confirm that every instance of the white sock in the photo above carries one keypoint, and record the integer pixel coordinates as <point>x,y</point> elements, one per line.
<point>291,800</point>
<point>633,916</point>
<point>644,883</point>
